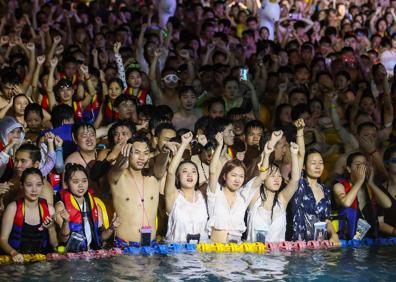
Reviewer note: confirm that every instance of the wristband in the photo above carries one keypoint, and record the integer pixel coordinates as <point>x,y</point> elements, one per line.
<point>264,169</point>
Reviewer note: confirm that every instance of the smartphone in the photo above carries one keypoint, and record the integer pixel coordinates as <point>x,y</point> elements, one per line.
<point>243,74</point>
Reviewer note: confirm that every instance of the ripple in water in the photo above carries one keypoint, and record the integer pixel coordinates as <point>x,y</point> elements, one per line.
<point>365,264</point>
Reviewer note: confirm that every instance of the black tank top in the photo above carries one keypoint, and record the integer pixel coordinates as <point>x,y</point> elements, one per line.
<point>34,240</point>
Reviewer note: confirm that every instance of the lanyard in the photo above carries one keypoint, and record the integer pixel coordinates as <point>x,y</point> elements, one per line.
<point>142,200</point>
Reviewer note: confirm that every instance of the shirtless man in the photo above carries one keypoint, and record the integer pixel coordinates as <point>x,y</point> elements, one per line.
<point>84,135</point>
<point>187,114</point>
<point>135,195</point>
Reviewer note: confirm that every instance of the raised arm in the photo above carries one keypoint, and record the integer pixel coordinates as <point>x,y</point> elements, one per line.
<point>388,109</point>
<point>36,77</point>
<point>268,149</point>
<point>120,165</point>
<point>91,89</point>
<point>156,90</point>
<point>253,99</point>
<point>120,64</point>
<point>215,164</point>
<point>32,64</point>
<point>287,193</point>
<point>300,125</point>
<point>50,83</point>
<point>170,187</point>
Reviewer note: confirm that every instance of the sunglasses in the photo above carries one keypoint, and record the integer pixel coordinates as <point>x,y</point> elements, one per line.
<point>171,78</point>
<point>65,85</point>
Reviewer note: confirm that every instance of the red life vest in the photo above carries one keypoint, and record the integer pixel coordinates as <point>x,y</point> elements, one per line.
<point>110,115</point>
<point>16,232</point>
<point>76,218</point>
<point>45,102</point>
<point>78,113</point>
<point>141,96</point>
<point>231,152</point>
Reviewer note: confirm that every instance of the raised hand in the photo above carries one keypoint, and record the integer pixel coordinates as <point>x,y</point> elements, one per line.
<point>219,139</point>
<point>59,50</point>
<point>116,47</point>
<point>293,148</point>
<point>187,138</point>
<point>57,39</point>
<point>50,137</point>
<point>94,52</point>
<point>30,46</point>
<point>84,69</point>
<point>299,124</point>
<point>126,150</point>
<point>158,52</point>
<point>40,60</point>
<point>58,141</point>
<point>54,62</point>
<point>268,148</point>
<point>276,136</point>
<point>172,147</point>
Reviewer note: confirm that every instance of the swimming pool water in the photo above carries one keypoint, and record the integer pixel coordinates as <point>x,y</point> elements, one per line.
<point>346,264</point>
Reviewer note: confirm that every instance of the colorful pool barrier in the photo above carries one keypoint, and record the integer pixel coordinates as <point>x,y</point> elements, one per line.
<point>164,249</point>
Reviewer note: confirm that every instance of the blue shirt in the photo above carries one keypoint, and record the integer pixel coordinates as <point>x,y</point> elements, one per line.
<point>64,132</point>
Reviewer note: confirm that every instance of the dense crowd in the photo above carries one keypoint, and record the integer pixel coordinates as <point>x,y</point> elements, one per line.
<point>131,122</point>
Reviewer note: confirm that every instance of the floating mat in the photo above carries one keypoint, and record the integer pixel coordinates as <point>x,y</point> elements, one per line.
<point>259,248</point>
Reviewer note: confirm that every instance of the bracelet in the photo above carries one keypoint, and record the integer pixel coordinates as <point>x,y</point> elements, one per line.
<point>394,231</point>
<point>264,169</point>
<point>86,79</point>
<point>14,253</point>
<point>65,235</point>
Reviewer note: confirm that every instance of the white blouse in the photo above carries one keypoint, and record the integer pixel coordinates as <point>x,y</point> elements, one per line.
<point>259,221</point>
<point>224,217</point>
<point>187,218</point>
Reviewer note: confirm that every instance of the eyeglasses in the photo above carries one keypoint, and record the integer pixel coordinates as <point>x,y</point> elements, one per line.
<point>171,78</point>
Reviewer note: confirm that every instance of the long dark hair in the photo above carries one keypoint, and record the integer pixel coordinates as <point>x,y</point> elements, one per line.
<point>272,168</point>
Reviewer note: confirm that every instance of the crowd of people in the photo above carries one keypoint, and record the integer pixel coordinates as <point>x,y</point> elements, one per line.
<point>189,121</point>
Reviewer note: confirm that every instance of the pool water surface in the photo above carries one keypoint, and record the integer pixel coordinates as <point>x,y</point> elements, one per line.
<point>341,264</point>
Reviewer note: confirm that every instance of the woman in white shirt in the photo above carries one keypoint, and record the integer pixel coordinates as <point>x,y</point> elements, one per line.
<point>267,210</point>
<point>227,197</point>
<point>185,205</point>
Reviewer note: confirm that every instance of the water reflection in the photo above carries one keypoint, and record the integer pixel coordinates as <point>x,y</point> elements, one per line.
<point>325,265</point>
